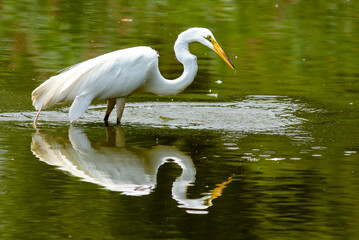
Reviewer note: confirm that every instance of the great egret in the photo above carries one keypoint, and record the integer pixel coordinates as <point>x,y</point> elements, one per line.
<point>116,75</point>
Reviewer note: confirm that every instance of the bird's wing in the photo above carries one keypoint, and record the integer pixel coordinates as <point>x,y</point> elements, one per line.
<point>101,70</point>
<point>96,77</point>
<point>88,70</point>
<point>58,88</point>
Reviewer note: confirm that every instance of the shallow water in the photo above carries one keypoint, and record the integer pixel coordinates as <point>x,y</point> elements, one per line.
<point>267,152</point>
<point>254,114</point>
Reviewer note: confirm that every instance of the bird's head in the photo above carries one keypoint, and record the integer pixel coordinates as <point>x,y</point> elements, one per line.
<point>205,36</point>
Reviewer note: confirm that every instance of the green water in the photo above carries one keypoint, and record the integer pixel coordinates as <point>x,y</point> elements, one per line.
<point>270,151</point>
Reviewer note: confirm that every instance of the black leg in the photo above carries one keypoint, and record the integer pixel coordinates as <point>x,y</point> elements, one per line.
<point>106,119</point>
<point>110,104</point>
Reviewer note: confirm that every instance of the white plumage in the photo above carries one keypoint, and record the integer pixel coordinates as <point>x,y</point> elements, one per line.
<point>116,75</point>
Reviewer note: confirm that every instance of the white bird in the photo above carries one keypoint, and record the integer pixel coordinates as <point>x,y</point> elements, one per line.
<point>116,75</point>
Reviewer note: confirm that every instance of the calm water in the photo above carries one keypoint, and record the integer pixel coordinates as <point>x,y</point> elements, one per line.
<point>268,152</point>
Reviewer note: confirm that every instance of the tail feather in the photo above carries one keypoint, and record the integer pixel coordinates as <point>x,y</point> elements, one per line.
<point>52,91</point>
<point>48,93</point>
<point>66,86</point>
<point>41,94</point>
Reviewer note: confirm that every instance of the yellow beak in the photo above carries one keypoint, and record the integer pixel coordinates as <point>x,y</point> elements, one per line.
<point>221,53</point>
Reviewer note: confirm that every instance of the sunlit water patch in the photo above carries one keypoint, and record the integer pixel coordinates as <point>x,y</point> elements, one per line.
<point>270,114</point>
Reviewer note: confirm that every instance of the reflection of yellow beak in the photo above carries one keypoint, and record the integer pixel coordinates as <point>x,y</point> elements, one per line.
<point>221,53</point>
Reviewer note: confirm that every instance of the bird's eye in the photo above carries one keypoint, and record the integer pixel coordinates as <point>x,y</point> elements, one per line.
<point>209,38</point>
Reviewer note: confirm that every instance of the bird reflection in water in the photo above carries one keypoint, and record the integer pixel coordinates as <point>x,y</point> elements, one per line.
<point>130,171</point>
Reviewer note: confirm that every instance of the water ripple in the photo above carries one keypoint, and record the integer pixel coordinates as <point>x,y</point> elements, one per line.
<point>270,114</point>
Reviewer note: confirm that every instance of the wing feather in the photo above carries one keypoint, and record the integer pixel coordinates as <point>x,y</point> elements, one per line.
<point>94,76</point>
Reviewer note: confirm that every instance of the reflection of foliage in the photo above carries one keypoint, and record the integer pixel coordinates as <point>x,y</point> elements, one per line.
<point>262,198</point>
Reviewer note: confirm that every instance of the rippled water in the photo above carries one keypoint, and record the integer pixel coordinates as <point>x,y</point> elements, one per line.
<point>268,152</point>
<point>270,114</point>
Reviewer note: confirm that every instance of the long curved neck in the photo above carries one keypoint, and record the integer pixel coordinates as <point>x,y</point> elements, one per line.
<point>162,86</point>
